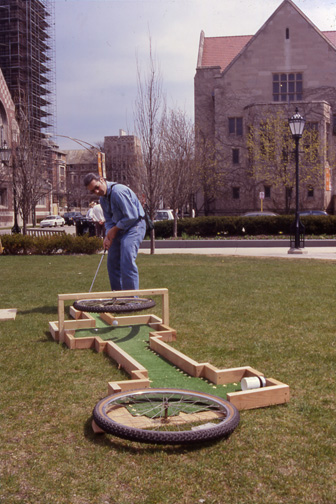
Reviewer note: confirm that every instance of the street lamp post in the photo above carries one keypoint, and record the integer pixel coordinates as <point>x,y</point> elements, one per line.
<point>5,154</point>
<point>297,124</point>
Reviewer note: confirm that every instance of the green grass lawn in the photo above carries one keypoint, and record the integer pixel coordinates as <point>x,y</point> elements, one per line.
<point>276,315</point>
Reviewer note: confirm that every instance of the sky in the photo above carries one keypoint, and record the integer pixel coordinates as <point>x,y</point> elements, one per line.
<point>99,42</point>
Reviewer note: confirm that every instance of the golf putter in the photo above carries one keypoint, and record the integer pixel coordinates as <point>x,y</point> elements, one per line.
<point>94,278</point>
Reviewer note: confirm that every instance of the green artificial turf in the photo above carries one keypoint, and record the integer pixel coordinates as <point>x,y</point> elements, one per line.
<point>135,341</point>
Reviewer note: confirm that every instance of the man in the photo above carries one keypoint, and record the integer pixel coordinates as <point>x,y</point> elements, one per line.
<point>99,220</point>
<point>125,229</point>
<point>89,212</point>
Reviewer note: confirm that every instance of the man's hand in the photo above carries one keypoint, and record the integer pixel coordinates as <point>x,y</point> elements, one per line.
<point>112,233</point>
<point>106,243</point>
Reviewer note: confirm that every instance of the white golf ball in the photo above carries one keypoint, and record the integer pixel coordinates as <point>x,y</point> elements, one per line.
<point>115,322</point>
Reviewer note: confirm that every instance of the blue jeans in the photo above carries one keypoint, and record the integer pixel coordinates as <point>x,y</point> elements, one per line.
<point>121,266</point>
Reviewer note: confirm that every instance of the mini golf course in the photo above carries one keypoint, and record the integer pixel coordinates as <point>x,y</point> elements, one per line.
<point>172,388</point>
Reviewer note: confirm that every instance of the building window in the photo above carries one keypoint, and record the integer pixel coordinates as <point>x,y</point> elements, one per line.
<point>287,87</point>
<point>235,156</point>
<point>287,33</point>
<point>267,191</point>
<point>42,201</point>
<point>310,192</point>
<point>3,197</point>
<point>334,124</point>
<point>236,126</point>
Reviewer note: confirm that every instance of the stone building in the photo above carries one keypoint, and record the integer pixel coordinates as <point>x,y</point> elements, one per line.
<point>79,162</point>
<point>122,163</point>
<point>27,62</point>
<point>8,133</point>
<point>240,81</point>
<point>124,160</point>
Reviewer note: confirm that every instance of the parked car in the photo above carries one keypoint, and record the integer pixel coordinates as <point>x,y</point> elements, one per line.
<point>71,217</point>
<point>312,212</point>
<point>52,221</point>
<point>164,215</point>
<point>260,214</point>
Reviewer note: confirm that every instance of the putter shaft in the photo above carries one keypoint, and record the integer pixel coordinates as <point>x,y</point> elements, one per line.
<point>94,278</point>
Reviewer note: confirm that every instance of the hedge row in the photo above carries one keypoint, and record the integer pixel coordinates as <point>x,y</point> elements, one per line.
<point>221,227</point>
<point>200,227</point>
<point>58,244</point>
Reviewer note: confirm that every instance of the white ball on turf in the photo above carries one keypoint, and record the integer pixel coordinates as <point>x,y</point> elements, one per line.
<point>115,322</point>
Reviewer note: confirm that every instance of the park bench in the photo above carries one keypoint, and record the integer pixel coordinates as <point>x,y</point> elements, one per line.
<point>45,232</point>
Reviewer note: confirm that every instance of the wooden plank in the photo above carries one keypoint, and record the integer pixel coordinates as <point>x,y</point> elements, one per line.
<point>166,336</point>
<point>114,387</point>
<point>53,329</point>
<point>60,310</point>
<point>111,294</point>
<point>77,314</point>
<point>124,359</point>
<point>78,343</point>
<point>79,324</point>
<point>177,358</point>
<point>231,375</point>
<point>8,314</point>
<point>127,319</point>
<point>99,345</point>
<point>166,332</point>
<point>260,398</point>
<point>165,308</point>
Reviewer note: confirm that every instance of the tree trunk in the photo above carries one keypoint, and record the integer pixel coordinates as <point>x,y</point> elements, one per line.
<point>152,241</point>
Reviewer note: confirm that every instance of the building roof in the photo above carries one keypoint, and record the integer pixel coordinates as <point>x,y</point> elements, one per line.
<point>220,51</point>
<point>331,35</point>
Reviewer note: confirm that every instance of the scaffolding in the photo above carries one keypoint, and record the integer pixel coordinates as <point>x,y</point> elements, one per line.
<point>27,60</point>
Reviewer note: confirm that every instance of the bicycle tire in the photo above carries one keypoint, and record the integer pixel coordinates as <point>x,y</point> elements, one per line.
<point>114,305</point>
<point>127,415</point>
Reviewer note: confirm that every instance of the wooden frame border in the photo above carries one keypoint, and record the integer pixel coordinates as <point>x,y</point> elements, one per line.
<point>63,331</point>
<point>62,324</point>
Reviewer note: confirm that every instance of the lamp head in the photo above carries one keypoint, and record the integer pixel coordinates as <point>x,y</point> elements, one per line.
<point>296,124</point>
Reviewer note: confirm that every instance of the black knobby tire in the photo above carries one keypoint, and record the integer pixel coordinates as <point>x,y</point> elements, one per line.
<point>169,416</point>
<point>114,305</point>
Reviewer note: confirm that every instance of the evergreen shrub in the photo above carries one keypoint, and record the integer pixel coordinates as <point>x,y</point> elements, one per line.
<point>228,226</point>
<point>58,244</point>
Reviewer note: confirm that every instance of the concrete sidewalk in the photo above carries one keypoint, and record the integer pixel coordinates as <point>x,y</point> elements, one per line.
<point>311,251</point>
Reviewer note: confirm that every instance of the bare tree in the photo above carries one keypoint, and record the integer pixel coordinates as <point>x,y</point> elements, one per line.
<point>178,161</point>
<point>208,177</point>
<point>29,165</point>
<point>148,117</point>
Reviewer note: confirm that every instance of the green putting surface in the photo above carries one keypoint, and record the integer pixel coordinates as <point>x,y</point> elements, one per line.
<point>134,340</point>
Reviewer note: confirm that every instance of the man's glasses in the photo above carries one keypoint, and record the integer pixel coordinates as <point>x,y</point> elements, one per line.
<point>96,188</point>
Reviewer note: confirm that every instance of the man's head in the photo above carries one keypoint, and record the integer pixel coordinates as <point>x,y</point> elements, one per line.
<point>95,184</point>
